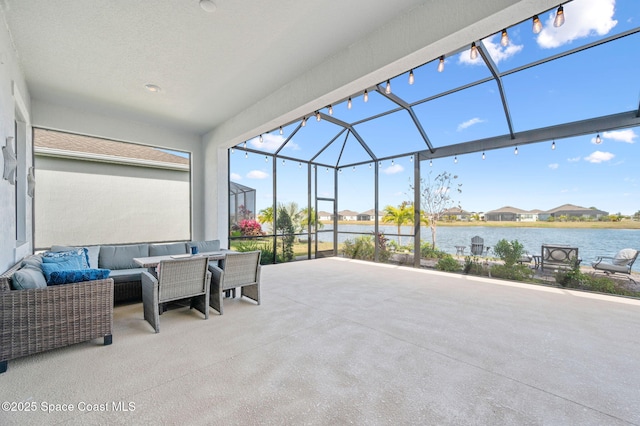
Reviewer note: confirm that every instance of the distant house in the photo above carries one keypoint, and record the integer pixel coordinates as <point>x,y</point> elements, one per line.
<point>322,215</point>
<point>347,215</point>
<point>511,214</point>
<point>570,210</point>
<point>370,215</point>
<point>456,213</point>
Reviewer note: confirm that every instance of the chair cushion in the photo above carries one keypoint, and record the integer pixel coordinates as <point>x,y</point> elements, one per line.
<point>624,256</point>
<point>28,277</point>
<point>79,255</point>
<point>205,246</point>
<point>121,257</point>
<point>77,275</point>
<point>167,249</point>
<point>126,275</point>
<point>92,252</point>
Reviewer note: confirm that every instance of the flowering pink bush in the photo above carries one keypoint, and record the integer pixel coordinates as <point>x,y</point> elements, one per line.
<point>250,227</point>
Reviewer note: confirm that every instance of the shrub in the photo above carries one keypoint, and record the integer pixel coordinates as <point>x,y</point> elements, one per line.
<point>474,267</point>
<point>448,264</point>
<point>265,246</point>
<point>428,252</point>
<point>250,227</point>
<point>363,248</point>
<point>509,251</point>
<point>512,272</point>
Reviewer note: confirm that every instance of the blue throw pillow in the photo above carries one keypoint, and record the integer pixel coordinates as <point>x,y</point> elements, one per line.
<point>49,267</point>
<point>80,256</point>
<point>77,275</point>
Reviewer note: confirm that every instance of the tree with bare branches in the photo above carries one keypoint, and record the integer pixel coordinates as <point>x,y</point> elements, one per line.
<point>436,197</point>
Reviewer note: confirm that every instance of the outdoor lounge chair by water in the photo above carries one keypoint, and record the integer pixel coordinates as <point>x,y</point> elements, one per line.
<point>177,280</point>
<point>620,263</point>
<point>477,245</point>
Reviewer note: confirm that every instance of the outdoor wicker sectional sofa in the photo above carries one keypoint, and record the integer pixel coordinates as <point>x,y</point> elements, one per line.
<point>34,320</point>
<point>39,319</point>
<point>126,274</point>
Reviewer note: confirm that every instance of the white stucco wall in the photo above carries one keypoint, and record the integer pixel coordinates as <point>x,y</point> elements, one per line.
<point>13,95</point>
<point>56,117</point>
<point>83,203</point>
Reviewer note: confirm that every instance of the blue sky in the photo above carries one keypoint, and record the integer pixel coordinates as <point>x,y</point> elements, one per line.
<point>598,81</point>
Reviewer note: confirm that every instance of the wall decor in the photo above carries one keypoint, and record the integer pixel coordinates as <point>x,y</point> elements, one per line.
<point>31,182</point>
<point>10,162</point>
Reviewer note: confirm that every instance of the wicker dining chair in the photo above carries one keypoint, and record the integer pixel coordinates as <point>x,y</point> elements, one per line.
<point>239,270</point>
<point>177,280</point>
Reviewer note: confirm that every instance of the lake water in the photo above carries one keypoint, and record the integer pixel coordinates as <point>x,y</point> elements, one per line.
<point>591,243</point>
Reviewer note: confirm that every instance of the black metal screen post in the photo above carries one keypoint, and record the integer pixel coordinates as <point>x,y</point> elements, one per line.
<point>416,211</point>
<point>376,224</point>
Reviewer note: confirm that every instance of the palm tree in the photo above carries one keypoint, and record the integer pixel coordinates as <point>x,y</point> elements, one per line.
<point>399,216</point>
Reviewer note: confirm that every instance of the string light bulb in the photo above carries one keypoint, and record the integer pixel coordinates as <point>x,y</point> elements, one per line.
<point>441,64</point>
<point>559,17</point>
<point>483,156</point>
<point>412,78</point>
<point>283,161</point>
<point>537,25</point>
<point>245,145</point>
<point>300,165</point>
<point>318,118</point>
<point>354,168</point>
<point>411,159</point>
<point>266,159</point>
<point>280,129</point>
<point>430,163</point>
<point>246,154</point>
<point>504,39</point>
<point>553,145</point>
<point>365,97</point>
<point>369,165</point>
<point>330,109</point>
<point>349,103</point>
<point>387,89</point>
<point>232,150</point>
<point>261,139</point>
<point>455,160</point>
<point>598,139</point>
<point>515,152</point>
<point>474,51</point>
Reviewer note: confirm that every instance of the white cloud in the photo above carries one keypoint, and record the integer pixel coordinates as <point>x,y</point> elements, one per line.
<point>627,135</point>
<point>235,176</point>
<point>497,51</point>
<point>554,166</point>
<point>271,142</point>
<point>573,159</point>
<point>469,123</point>
<point>392,170</point>
<point>583,18</point>
<point>599,157</point>
<point>257,174</point>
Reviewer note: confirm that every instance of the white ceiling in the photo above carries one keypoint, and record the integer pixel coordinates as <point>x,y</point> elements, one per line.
<point>252,59</point>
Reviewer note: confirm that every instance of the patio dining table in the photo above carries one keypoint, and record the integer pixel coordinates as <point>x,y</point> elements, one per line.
<point>153,261</point>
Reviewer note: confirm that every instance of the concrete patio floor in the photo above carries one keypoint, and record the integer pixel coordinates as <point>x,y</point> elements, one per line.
<point>339,341</point>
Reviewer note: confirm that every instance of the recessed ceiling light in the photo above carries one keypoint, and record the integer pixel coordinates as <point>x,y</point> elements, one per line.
<point>152,88</point>
<point>208,5</point>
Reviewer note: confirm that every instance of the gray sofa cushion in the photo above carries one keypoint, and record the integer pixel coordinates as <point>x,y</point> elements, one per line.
<point>125,275</point>
<point>28,277</point>
<point>121,257</point>
<point>167,249</point>
<point>205,246</point>
<point>34,260</point>
<point>93,253</point>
